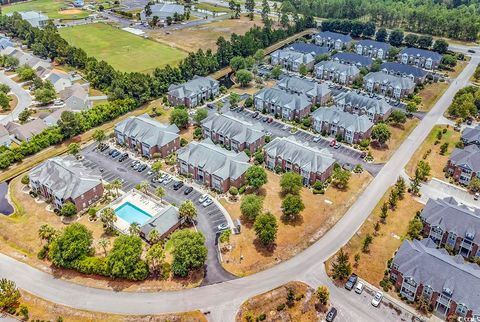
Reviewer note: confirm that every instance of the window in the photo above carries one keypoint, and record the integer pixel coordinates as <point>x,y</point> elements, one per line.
<point>451,238</point>
<point>462,309</point>
<point>427,292</point>
<point>83,196</point>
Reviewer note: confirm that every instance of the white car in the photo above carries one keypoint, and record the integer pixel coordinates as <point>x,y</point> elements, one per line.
<point>377,299</point>
<point>207,202</point>
<point>167,180</point>
<point>316,139</point>
<point>359,288</point>
<point>223,226</point>
<point>203,198</point>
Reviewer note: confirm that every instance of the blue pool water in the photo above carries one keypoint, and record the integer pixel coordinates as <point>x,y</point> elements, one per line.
<point>131,213</point>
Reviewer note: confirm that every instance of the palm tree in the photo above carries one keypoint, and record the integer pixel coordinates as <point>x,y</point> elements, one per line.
<point>187,211</point>
<point>116,184</point>
<point>108,217</point>
<point>142,186</point>
<point>46,232</point>
<point>104,243</point>
<point>153,236</point>
<point>157,166</point>
<point>134,229</point>
<point>160,193</point>
<point>108,187</point>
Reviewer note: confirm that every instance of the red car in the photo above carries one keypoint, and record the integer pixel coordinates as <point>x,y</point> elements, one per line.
<point>333,142</point>
<point>270,120</point>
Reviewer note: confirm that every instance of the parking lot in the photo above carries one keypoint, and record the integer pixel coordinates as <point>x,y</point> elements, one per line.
<point>209,218</point>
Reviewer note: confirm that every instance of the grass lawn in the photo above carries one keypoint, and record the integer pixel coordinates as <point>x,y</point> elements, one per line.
<point>398,135</point>
<point>461,64</point>
<point>43,310</point>
<point>431,94</point>
<point>123,50</point>
<point>19,234</point>
<point>54,9</point>
<point>320,214</point>
<point>434,158</point>
<point>204,36</point>
<point>372,265</point>
<point>303,308</point>
<point>13,101</point>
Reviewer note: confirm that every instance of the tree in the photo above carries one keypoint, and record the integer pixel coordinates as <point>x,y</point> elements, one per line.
<point>381,35</point>
<point>108,218</point>
<point>251,206</point>
<point>341,267</point>
<point>155,258</point>
<point>157,167</point>
<point>134,229</point>
<point>200,115</point>
<point>291,183</point>
<point>69,124</point>
<point>292,206</point>
<point>400,187</point>
<point>74,243</point>
<point>266,228</point>
<point>187,211</point>
<point>45,94</point>
<point>4,101</point>
<point>25,73</point>
<point>160,192</point>
<point>303,69</point>
<point>74,149</point>
<point>381,133</point>
<point>276,71</point>
<point>23,310</point>
<point>411,107</point>
<point>9,294</point>
<point>384,212</point>
<point>396,38</point>
<point>179,117</point>
<point>116,184</point>
<point>250,7</point>
<point>449,60</point>
<point>237,63</point>
<point>244,77</point>
<point>323,294</point>
<point>47,233</point>
<point>255,176</point>
<point>366,243</point>
<point>398,117</point>
<point>393,199</point>
<point>265,12</point>
<point>474,185</point>
<point>411,40</point>
<point>24,115</point>
<point>153,236</point>
<point>68,209</point>
<point>425,42</point>
<point>189,251</point>
<point>423,170</point>
<point>415,227</point>
<point>104,243</point>
<point>142,186</point>
<point>4,88</point>
<point>124,259</point>
<point>356,258</point>
<point>259,54</point>
<point>423,305</point>
<point>340,178</point>
<point>234,99</point>
<point>25,180</point>
<point>99,135</point>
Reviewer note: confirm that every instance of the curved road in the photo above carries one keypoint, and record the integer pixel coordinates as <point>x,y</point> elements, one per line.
<point>223,299</point>
<point>24,99</point>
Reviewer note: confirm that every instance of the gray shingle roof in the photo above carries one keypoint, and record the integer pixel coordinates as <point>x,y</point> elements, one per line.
<point>75,97</point>
<point>363,102</point>
<point>66,177</point>
<point>333,66</point>
<point>305,48</point>
<point>334,35</point>
<point>214,160</point>
<point>453,217</point>
<point>404,69</point>
<point>146,130</point>
<point>231,127</point>
<point>390,80</point>
<point>193,87</point>
<point>303,86</point>
<point>422,53</point>
<point>437,269</point>
<point>375,44</point>
<point>309,159</point>
<point>26,131</point>
<point>161,222</point>
<point>353,58</point>
<point>471,135</point>
<point>468,157</point>
<point>53,117</point>
<point>351,122</point>
<point>294,56</point>
<point>5,42</point>
<point>284,99</point>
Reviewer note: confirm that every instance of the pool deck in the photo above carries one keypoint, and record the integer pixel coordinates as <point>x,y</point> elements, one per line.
<point>146,203</point>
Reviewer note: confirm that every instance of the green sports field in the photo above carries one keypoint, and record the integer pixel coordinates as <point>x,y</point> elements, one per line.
<point>123,50</point>
<point>54,9</point>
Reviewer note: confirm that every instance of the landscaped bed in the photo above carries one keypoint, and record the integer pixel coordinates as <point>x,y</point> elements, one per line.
<point>320,214</point>
<point>123,50</point>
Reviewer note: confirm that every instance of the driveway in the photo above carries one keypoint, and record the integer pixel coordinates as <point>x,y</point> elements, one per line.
<point>439,189</point>
<point>208,217</point>
<point>24,98</point>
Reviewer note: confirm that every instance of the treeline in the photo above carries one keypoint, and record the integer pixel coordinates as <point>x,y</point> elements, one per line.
<point>466,103</point>
<point>126,90</point>
<point>421,16</point>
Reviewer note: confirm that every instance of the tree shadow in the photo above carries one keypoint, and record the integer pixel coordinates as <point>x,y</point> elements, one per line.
<point>380,147</point>
<point>266,251</point>
<point>292,222</point>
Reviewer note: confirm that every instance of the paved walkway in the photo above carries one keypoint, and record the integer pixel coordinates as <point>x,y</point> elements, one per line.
<point>24,98</point>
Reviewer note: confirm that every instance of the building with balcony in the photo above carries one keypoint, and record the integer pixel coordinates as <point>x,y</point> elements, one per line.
<point>388,85</point>
<point>283,104</point>
<point>372,48</point>
<point>292,60</point>
<point>193,92</point>
<point>376,109</point>
<point>317,93</point>
<point>416,74</point>
<point>353,59</point>
<point>336,72</point>
<point>333,40</point>
<point>471,136</point>
<point>420,57</point>
<point>464,164</point>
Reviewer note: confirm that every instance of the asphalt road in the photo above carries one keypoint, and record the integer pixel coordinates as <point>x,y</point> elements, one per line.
<point>24,98</point>
<point>223,299</point>
<point>208,217</point>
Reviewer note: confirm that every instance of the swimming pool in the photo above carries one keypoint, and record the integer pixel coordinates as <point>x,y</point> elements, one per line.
<point>131,213</point>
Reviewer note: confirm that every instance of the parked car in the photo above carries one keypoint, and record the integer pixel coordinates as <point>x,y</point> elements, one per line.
<point>167,180</point>
<point>134,163</point>
<point>123,157</point>
<point>471,51</point>
<point>255,115</point>
<point>187,190</point>
<point>223,226</point>
<point>112,151</point>
<point>359,288</point>
<point>137,165</point>
<point>316,139</point>
<point>203,198</point>
<point>377,299</point>
<point>142,167</point>
<point>269,120</point>
<point>351,282</point>
<point>331,315</point>
<point>337,146</point>
<point>476,196</point>
<point>333,142</point>
<point>207,202</point>
<point>265,119</point>
<point>211,105</point>
<point>177,185</point>
<point>115,154</point>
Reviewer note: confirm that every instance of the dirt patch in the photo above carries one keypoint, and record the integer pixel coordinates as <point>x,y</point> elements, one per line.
<point>273,305</point>
<point>321,213</point>
<point>43,310</point>
<point>70,12</point>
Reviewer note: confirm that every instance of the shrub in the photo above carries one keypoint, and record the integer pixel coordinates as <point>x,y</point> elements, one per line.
<point>281,307</point>
<point>92,265</point>
<point>262,317</point>
<point>25,179</point>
